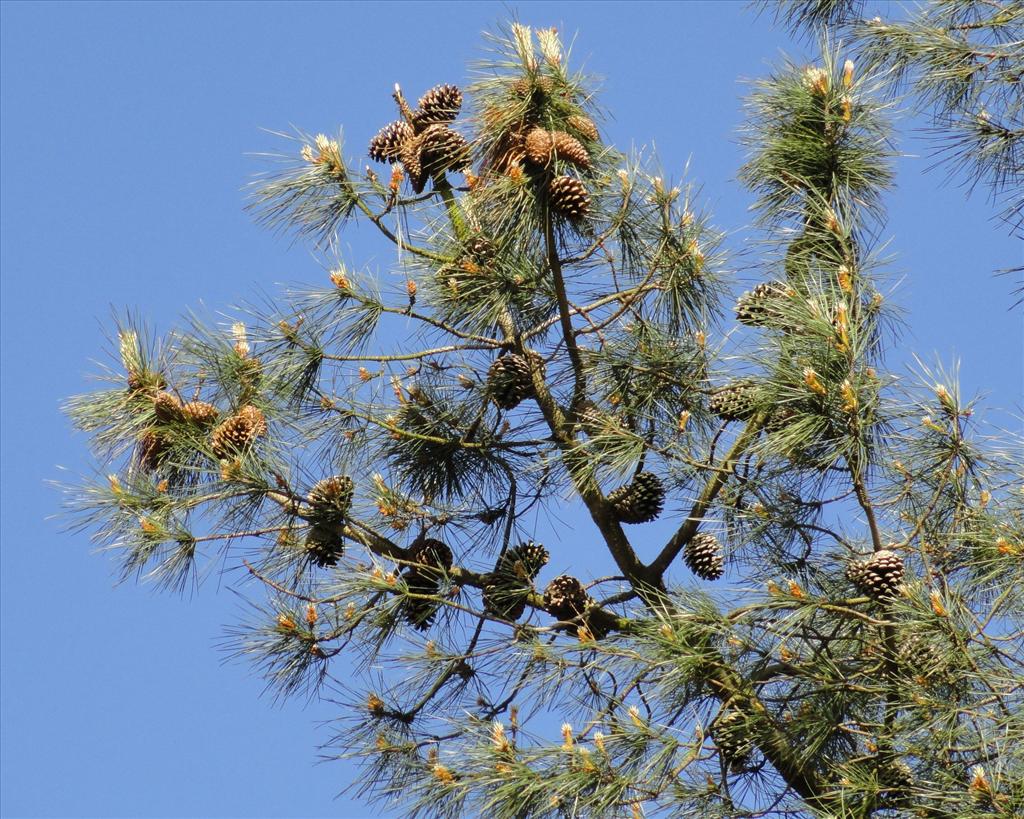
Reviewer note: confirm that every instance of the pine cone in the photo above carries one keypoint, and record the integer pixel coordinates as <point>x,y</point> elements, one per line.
<point>735,402</point>
<point>731,735</point>
<point>510,380</point>
<point>568,197</point>
<point>387,144</point>
<point>879,575</point>
<point>542,146</point>
<point>703,554</point>
<point>918,657</point>
<point>639,501</point>
<point>441,104</point>
<point>481,249</point>
<point>166,407</point>
<point>151,450</point>
<point>410,157</point>
<point>429,553</point>
<point>432,558</point>
<point>565,598</point>
<point>331,498</point>
<point>764,306</point>
<point>237,433</point>
<point>507,587</point>
<point>199,413</point>
<point>584,126</point>
<point>442,149</point>
<point>324,545</point>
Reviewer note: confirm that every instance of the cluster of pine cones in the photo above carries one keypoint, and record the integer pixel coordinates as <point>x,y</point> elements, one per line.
<point>228,439</point>
<point>423,141</point>
<point>426,146</point>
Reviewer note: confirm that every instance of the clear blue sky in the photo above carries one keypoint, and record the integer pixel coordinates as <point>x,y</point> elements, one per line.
<point>125,129</point>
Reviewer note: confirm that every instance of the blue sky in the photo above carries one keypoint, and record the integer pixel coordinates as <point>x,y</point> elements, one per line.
<point>125,133</point>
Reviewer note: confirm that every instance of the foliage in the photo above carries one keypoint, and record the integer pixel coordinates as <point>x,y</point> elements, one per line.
<point>361,453</point>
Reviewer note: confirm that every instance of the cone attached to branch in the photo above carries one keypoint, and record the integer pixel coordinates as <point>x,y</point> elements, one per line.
<point>568,197</point>
<point>507,587</point>
<point>151,450</point>
<point>565,598</point>
<point>764,306</point>
<point>441,104</point>
<point>199,413</point>
<point>324,545</point>
<point>878,575</point>
<point>442,149</point>
<point>166,407</point>
<point>432,559</point>
<point>331,498</point>
<point>386,146</point>
<point>542,146</point>
<point>583,126</point>
<point>510,379</point>
<point>734,402</point>
<point>732,736</point>
<point>703,555</point>
<point>237,433</point>
<point>639,501</point>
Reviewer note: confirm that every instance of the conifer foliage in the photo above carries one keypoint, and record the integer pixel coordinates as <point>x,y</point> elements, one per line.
<point>773,520</point>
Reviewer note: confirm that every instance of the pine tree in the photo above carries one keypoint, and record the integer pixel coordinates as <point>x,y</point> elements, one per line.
<point>818,594</point>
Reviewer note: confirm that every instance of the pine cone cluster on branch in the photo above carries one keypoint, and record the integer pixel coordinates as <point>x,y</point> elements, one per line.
<point>422,140</point>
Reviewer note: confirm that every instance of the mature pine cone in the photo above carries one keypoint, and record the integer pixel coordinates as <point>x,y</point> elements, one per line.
<point>480,249</point>
<point>200,413</point>
<point>166,407</point>
<point>432,558</point>
<point>387,144</point>
<point>584,126</point>
<point>507,587</point>
<point>324,545</point>
<point>542,146</point>
<point>565,598</point>
<point>568,197</point>
<point>639,501</point>
<point>151,450</point>
<point>895,774</point>
<point>734,402</point>
<point>879,575</point>
<point>441,104</point>
<point>919,658</point>
<point>331,498</point>
<point>429,553</point>
<point>442,149</point>
<point>237,433</point>
<point>703,554</point>
<point>410,157</point>
<point>731,734</point>
<point>764,306</point>
<point>509,379</point>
